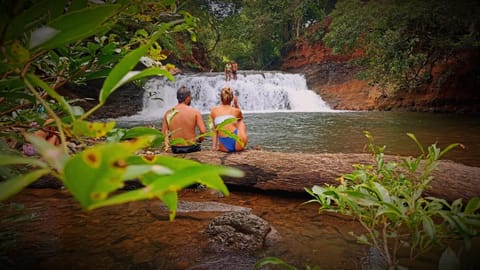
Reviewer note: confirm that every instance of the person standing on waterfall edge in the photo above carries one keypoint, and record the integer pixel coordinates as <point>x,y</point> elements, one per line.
<point>223,112</point>
<point>179,125</point>
<point>234,70</point>
<point>228,71</point>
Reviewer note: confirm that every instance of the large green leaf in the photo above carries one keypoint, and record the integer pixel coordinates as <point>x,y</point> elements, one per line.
<point>132,76</point>
<point>92,174</point>
<point>120,71</point>
<point>73,26</point>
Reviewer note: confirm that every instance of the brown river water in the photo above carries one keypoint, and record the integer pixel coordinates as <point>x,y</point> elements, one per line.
<point>138,235</point>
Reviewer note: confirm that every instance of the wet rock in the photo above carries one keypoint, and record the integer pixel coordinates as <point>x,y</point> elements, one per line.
<point>238,231</point>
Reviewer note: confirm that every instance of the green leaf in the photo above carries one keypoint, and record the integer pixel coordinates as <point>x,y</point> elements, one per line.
<point>92,129</point>
<point>382,192</point>
<point>118,75</point>
<point>171,201</point>
<point>412,136</point>
<point>363,239</point>
<point>141,131</point>
<point>74,26</point>
<point>13,186</point>
<point>134,171</point>
<point>447,149</point>
<point>10,160</point>
<point>472,206</point>
<point>429,227</point>
<point>120,70</point>
<point>388,208</point>
<point>172,163</point>
<point>318,190</point>
<point>92,174</point>
<point>136,75</point>
<point>207,174</point>
<point>361,198</point>
<point>449,260</point>
<point>134,195</point>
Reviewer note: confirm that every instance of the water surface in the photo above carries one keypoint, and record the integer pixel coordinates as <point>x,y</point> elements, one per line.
<point>343,132</point>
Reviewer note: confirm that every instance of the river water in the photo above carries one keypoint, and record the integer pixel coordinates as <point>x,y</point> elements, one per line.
<point>343,132</point>
<point>282,114</point>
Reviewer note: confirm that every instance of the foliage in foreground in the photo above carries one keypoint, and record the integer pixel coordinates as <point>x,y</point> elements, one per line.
<point>95,174</point>
<point>387,198</point>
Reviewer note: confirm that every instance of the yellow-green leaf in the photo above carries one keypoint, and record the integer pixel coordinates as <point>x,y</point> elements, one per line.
<point>92,129</point>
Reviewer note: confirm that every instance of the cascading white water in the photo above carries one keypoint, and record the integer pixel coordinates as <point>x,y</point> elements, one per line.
<point>256,91</point>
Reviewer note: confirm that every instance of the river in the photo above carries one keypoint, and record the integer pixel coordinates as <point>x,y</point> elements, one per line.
<point>283,115</point>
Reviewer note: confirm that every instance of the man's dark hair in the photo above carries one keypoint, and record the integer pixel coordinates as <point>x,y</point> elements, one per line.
<point>182,93</point>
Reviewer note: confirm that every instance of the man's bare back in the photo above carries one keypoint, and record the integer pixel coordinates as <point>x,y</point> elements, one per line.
<point>180,123</point>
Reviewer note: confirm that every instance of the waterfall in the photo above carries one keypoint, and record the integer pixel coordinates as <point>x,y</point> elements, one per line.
<point>257,92</point>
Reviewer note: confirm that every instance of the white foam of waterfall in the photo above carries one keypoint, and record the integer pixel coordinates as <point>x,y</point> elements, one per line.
<point>257,92</point>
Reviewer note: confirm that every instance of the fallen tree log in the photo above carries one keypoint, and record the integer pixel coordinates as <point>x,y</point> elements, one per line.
<point>292,172</point>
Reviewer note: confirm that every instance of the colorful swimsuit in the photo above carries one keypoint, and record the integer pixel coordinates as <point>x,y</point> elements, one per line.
<point>227,142</point>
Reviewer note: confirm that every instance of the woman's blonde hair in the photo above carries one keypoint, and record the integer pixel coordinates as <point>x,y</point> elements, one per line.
<point>226,95</point>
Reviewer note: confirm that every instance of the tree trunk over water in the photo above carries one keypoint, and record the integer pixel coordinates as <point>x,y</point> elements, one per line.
<point>291,172</point>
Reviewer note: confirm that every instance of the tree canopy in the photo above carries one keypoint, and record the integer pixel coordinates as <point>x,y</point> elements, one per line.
<point>401,41</point>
